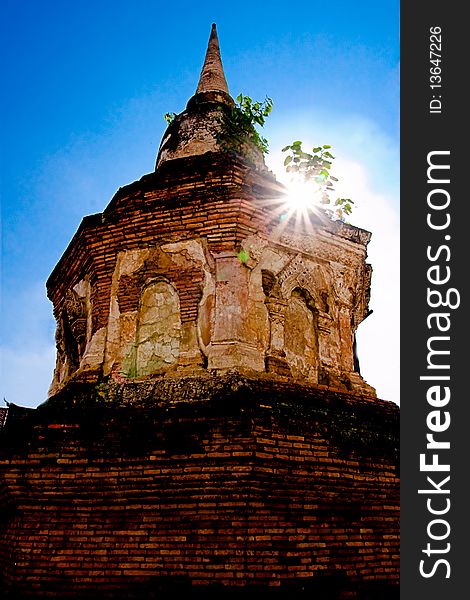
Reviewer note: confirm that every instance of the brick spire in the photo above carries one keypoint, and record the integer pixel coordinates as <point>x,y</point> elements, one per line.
<point>199,128</point>
<point>212,74</point>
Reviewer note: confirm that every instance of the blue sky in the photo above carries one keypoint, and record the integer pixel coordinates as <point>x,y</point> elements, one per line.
<point>85,87</point>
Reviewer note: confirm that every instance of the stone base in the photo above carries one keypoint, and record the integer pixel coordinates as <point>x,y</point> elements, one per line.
<point>199,484</point>
<point>278,365</point>
<point>360,385</point>
<point>226,356</point>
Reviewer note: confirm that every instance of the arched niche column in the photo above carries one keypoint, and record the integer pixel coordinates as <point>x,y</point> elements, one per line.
<point>276,357</point>
<point>190,352</point>
<point>71,334</point>
<point>328,347</point>
<point>232,344</point>
<point>346,336</point>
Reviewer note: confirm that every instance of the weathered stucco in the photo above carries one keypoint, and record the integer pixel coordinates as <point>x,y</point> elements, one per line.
<point>287,305</point>
<point>189,269</point>
<point>75,342</point>
<point>158,329</point>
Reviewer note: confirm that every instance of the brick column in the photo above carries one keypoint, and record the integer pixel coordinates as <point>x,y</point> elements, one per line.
<point>232,345</point>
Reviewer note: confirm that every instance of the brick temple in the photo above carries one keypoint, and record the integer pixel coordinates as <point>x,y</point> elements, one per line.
<point>207,430</point>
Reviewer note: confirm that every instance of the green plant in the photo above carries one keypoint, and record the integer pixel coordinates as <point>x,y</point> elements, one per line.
<point>239,124</point>
<point>169,117</point>
<point>315,168</point>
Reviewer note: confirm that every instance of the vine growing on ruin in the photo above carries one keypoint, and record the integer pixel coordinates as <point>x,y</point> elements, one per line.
<point>240,122</point>
<point>169,117</point>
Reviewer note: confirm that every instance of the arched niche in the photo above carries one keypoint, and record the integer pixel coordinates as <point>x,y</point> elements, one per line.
<point>301,336</point>
<point>71,334</point>
<point>158,335</point>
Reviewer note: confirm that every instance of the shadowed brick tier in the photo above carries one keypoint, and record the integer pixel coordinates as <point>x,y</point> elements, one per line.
<point>207,426</point>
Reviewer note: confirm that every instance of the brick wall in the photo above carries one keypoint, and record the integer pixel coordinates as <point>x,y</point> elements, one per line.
<point>210,196</point>
<point>123,491</point>
<point>215,196</point>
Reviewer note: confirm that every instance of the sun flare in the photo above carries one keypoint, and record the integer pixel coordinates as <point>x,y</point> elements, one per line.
<point>302,197</point>
<point>301,202</point>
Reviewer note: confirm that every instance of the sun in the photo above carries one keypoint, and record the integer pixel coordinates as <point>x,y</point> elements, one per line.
<point>302,197</point>
<point>301,202</point>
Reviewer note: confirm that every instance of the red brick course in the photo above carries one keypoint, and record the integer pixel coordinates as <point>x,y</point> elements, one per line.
<point>210,196</point>
<point>245,485</point>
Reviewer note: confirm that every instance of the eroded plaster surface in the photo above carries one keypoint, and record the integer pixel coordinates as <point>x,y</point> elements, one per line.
<point>286,305</point>
<point>158,329</point>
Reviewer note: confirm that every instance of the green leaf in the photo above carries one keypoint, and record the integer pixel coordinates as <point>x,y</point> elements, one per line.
<point>326,146</point>
<point>169,117</point>
<point>243,256</point>
<point>287,160</point>
<point>285,149</point>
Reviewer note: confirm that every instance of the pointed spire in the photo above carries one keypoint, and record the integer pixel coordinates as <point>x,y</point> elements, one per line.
<point>212,74</point>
